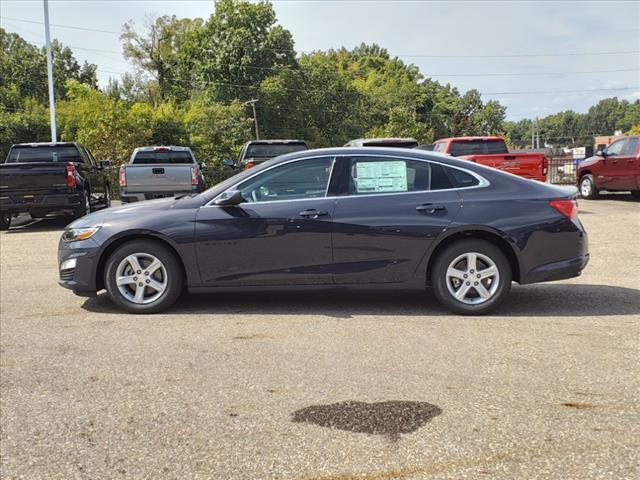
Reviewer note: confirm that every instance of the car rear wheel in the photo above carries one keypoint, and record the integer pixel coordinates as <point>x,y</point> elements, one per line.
<point>143,277</point>
<point>5,221</point>
<point>471,277</point>
<point>588,188</point>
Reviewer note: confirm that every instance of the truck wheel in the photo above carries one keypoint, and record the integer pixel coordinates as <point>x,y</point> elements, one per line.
<point>471,277</point>
<point>143,276</point>
<point>107,196</point>
<point>5,221</point>
<point>84,208</point>
<point>636,194</point>
<point>588,188</point>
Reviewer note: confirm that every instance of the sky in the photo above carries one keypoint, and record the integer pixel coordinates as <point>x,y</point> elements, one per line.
<point>531,56</point>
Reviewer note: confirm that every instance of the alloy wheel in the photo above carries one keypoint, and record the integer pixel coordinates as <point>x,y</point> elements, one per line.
<point>472,278</point>
<point>141,278</point>
<point>585,187</point>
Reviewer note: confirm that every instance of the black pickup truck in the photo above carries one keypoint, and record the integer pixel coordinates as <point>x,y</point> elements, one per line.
<point>43,178</point>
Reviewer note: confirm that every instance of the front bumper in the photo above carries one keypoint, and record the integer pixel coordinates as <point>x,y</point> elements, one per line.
<point>19,203</point>
<point>82,278</point>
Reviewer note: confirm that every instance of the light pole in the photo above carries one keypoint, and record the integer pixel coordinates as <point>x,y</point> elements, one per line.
<point>52,105</point>
<point>255,117</point>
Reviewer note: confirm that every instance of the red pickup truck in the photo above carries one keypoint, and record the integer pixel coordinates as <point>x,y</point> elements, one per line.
<point>493,152</point>
<point>614,168</point>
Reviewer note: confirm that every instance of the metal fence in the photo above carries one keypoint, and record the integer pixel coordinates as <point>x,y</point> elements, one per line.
<point>562,169</point>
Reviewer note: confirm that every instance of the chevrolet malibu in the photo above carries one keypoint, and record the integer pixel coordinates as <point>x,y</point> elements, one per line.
<point>346,218</point>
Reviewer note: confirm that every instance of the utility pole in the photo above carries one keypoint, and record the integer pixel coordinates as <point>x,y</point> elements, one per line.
<point>537,134</point>
<point>255,117</point>
<point>52,105</point>
<point>533,133</point>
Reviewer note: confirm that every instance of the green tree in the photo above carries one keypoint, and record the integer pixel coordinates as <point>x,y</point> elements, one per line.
<point>156,51</point>
<point>239,46</point>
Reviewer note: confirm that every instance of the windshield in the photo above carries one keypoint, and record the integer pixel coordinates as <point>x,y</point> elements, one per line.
<point>45,153</point>
<point>478,147</point>
<point>273,150</point>
<point>162,157</point>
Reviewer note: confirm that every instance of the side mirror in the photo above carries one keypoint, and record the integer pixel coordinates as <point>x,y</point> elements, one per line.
<point>601,153</point>
<point>229,198</point>
<point>202,165</point>
<point>227,162</point>
<point>105,163</point>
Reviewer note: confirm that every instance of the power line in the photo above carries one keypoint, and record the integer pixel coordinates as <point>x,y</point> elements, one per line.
<point>513,55</point>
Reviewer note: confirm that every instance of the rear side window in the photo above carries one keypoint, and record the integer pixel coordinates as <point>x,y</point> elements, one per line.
<point>66,153</point>
<point>162,157</point>
<point>462,179</point>
<point>367,175</point>
<point>439,147</point>
<point>630,147</point>
<point>478,147</point>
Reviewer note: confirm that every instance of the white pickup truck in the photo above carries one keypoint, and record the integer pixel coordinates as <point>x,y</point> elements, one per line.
<point>157,172</point>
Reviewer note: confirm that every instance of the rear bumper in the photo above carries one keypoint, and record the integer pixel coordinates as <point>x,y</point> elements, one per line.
<point>128,197</point>
<point>557,270</point>
<point>19,203</point>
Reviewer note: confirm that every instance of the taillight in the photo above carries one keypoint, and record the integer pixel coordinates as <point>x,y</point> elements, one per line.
<point>249,165</point>
<point>122,179</point>
<point>71,175</point>
<point>545,165</point>
<point>568,208</point>
<point>194,176</point>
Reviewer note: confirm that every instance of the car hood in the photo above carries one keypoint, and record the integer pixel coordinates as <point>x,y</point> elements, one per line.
<point>98,218</point>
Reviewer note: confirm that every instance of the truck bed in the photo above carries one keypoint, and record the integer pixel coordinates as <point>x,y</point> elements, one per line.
<point>527,165</point>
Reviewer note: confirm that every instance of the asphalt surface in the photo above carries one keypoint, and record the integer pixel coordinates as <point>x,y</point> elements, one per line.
<point>324,386</point>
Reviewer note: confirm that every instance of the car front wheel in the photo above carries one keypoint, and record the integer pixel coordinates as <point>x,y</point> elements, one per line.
<point>471,277</point>
<point>5,221</point>
<point>588,188</point>
<point>143,276</point>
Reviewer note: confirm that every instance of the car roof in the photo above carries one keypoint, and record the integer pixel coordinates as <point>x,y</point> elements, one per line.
<point>274,142</point>
<point>467,139</point>
<point>45,144</point>
<point>384,139</point>
<point>171,148</point>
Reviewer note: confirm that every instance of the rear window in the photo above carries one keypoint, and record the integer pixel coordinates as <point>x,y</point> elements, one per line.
<point>162,157</point>
<point>478,147</point>
<point>67,153</point>
<point>273,150</point>
<point>391,144</point>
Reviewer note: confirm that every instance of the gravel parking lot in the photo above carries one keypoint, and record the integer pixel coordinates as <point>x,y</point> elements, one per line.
<point>324,386</point>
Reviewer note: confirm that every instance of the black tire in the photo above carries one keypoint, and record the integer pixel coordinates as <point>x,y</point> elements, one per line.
<point>5,221</point>
<point>636,194</point>
<point>587,187</point>
<point>440,282</point>
<point>107,196</point>
<point>171,264</point>
<point>84,207</point>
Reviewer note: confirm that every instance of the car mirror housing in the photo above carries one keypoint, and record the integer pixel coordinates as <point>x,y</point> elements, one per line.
<point>227,162</point>
<point>229,198</point>
<point>601,153</point>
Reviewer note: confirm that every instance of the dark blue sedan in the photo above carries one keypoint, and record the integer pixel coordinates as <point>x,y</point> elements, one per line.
<point>372,218</point>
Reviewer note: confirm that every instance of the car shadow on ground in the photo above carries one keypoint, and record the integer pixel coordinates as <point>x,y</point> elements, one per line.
<point>542,300</point>
<point>24,224</point>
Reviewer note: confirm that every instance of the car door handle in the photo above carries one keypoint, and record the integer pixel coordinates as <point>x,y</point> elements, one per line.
<point>430,208</point>
<point>313,213</point>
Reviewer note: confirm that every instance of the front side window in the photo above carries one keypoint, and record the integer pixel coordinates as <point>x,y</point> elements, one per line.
<point>390,175</point>
<point>630,147</point>
<point>291,181</point>
<point>616,148</point>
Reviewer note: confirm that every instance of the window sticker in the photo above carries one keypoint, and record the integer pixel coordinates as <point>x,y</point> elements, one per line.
<point>375,177</point>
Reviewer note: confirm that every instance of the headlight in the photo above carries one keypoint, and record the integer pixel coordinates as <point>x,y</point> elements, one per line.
<point>76,234</point>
